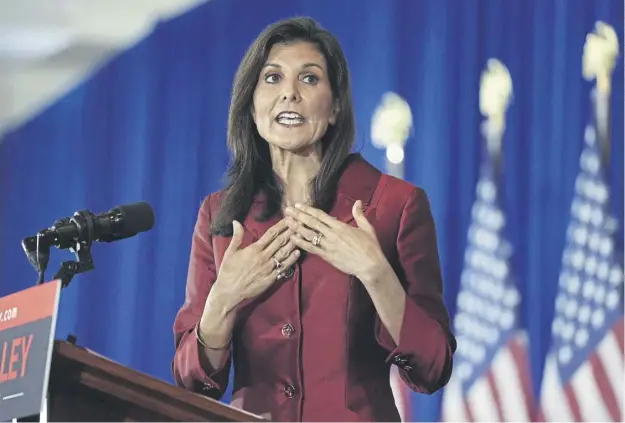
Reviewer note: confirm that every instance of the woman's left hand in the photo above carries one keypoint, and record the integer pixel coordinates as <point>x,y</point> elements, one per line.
<point>352,250</point>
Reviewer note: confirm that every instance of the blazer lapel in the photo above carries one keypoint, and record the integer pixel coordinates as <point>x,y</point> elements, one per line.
<point>255,228</point>
<point>357,182</point>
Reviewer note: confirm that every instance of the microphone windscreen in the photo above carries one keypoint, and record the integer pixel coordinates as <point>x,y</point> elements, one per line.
<point>137,217</point>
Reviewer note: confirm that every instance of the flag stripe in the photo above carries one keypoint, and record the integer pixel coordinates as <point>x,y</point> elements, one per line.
<point>611,357</point>
<point>509,387</point>
<point>454,406</point>
<point>492,385</point>
<point>467,410</point>
<point>554,395</point>
<point>607,394</point>
<point>618,331</point>
<point>588,395</point>
<point>539,416</point>
<point>518,348</point>
<point>572,402</point>
<point>481,402</point>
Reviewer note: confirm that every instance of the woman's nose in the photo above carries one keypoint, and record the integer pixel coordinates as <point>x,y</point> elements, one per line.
<point>291,97</point>
<point>291,93</point>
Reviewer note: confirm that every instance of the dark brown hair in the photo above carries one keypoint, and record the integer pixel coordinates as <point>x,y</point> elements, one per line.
<point>250,172</point>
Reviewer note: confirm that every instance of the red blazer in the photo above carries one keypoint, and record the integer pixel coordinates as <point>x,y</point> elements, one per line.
<point>313,348</point>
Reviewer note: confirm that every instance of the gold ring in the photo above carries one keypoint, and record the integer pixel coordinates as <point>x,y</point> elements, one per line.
<point>277,262</point>
<point>316,241</point>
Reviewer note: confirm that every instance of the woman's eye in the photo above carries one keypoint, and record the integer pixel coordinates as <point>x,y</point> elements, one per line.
<point>272,78</point>
<point>310,79</point>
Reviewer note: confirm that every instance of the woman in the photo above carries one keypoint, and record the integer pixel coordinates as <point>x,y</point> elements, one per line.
<point>311,271</point>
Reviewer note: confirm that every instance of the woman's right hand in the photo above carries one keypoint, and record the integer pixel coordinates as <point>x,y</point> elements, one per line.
<point>246,273</point>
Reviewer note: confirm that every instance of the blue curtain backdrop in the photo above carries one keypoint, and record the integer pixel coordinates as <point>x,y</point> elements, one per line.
<point>151,125</point>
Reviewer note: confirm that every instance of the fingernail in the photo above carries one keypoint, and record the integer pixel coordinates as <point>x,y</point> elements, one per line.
<point>298,205</point>
<point>297,252</point>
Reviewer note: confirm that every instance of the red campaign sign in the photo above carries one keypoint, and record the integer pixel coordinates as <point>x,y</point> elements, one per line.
<point>27,327</point>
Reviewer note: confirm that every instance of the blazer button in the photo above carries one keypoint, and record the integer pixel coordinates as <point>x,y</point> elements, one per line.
<point>289,391</point>
<point>288,330</point>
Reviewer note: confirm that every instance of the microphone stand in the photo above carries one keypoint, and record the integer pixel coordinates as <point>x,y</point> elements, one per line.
<point>83,263</point>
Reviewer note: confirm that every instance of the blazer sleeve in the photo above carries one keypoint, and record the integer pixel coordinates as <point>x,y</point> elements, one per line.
<point>189,370</point>
<point>426,345</point>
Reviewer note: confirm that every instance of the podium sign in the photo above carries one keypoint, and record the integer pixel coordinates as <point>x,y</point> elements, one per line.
<point>27,327</point>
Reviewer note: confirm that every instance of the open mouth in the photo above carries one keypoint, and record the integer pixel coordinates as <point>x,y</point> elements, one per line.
<point>290,119</point>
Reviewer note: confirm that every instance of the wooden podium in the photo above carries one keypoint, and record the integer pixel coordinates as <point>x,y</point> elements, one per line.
<point>85,386</point>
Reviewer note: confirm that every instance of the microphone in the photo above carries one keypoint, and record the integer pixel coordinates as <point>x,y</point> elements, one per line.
<point>78,232</point>
<point>84,226</point>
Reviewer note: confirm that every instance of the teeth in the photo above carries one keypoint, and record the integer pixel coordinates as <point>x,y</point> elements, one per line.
<point>290,115</point>
<point>288,121</point>
<point>290,118</point>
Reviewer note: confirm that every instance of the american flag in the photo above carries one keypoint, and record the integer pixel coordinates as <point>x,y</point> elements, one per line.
<point>491,379</point>
<point>583,376</point>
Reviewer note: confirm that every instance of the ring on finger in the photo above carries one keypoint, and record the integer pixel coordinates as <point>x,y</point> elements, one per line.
<point>316,241</point>
<point>277,262</point>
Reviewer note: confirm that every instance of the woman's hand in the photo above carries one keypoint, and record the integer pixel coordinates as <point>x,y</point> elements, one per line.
<point>355,251</point>
<point>246,273</point>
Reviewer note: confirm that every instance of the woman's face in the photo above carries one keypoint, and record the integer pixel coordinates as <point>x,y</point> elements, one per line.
<point>293,103</point>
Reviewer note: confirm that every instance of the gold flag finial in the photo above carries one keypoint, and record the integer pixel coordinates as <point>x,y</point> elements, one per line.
<point>495,96</point>
<point>600,52</point>
<point>391,125</point>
